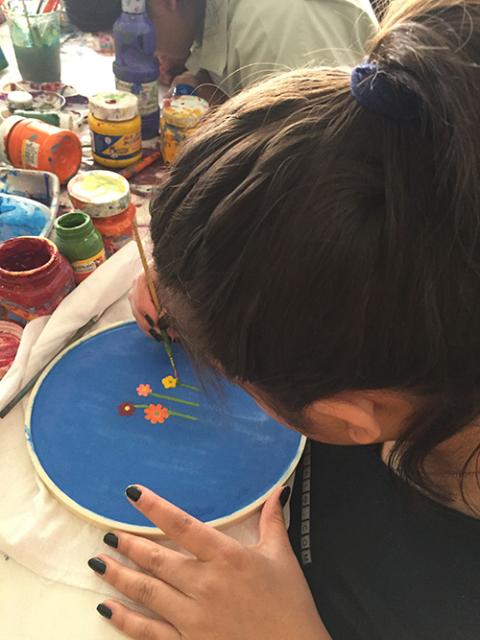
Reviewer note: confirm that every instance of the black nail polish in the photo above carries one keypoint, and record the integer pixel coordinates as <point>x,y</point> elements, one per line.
<point>155,335</point>
<point>163,324</point>
<point>111,539</point>
<point>133,493</point>
<point>285,495</point>
<point>97,565</point>
<point>149,320</point>
<point>104,611</point>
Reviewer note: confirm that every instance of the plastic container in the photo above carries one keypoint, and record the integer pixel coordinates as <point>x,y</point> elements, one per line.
<point>36,42</point>
<point>117,230</point>
<point>115,127</point>
<point>101,194</point>
<point>34,279</point>
<point>79,241</point>
<point>32,144</point>
<point>136,66</point>
<point>178,122</point>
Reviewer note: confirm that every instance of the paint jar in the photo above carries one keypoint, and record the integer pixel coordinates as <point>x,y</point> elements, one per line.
<point>99,193</point>
<point>115,127</point>
<point>178,122</point>
<point>34,278</point>
<point>10,336</point>
<point>32,144</point>
<point>117,230</point>
<point>136,65</point>
<point>79,241</point>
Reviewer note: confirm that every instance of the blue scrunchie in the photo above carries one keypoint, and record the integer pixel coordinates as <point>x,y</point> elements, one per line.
<point>374,90</point>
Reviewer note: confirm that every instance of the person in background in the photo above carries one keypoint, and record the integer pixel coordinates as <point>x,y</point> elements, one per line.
<point>93,15</point>
<point>233,43</point>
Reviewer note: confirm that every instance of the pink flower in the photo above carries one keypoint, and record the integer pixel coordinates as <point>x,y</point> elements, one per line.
<point>144,390</point>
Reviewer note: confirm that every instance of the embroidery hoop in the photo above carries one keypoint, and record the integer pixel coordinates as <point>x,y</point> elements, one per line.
<point>108,523</point>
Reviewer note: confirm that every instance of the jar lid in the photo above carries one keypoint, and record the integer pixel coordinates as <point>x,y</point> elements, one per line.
<point>101,194</point>
<point>19,100</point>
<point>5,128</point>
<point>114,106</point>
<point>10,336</point>
<point>184,111</point>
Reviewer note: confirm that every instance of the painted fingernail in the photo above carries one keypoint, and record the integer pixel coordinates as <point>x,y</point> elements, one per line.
<point>133,493</point>
<point>111,539</point>
<point>285,495</point>
<point>155,335</point>
<point>163,324</point>
<point>97,565</point>
<point>104,611</point>
<point>149,320</point>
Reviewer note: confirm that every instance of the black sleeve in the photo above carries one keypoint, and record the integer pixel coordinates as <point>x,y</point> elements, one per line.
<point>93,15</point>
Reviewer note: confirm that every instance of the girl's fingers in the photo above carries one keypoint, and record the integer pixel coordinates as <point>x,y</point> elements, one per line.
<point>199,539</point>
<point>150,592</point>
<point>173,568</point>
<point>134,624</point>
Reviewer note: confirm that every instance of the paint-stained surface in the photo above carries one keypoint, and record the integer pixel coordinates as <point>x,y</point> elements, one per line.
<point>214,466</point>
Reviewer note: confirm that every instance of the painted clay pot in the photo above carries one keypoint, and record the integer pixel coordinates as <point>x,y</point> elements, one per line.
<point>34,278</point>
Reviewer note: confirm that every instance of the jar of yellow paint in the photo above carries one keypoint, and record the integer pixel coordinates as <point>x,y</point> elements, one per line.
<point>179,120</point>
<point>115,127</point>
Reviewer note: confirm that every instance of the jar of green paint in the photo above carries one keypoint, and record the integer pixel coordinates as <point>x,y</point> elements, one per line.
<point>79,241</point>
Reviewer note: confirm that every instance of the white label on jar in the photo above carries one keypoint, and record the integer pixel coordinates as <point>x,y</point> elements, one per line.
<point>146,92</point>
<point>30,151</point>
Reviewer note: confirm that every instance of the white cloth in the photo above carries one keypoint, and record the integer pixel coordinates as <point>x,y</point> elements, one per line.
<point>245,40</point>
<point>35,529</point>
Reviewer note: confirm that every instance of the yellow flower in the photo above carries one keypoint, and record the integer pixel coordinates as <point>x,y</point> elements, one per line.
<point>169,382</point>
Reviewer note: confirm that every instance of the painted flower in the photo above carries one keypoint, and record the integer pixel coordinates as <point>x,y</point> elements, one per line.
<point>169,382</point>
<point>156,414</point>
<point>126,409</point>
<point>144,390</point>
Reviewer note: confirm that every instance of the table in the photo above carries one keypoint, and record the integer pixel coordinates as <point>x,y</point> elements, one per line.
<point>32,608</point>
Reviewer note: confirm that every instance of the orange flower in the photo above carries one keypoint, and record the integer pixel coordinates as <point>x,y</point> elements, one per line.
<point>169,382</point>
<point>144,390</point>
<point>156,414</point>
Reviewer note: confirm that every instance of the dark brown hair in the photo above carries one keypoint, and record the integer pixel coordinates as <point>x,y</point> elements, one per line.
<point>310,246</point>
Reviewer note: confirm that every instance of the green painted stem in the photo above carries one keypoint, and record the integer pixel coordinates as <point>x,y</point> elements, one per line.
<point>190,404</point>
<point>140,406</point>
<point>188,386</point>
<point>182,415</point>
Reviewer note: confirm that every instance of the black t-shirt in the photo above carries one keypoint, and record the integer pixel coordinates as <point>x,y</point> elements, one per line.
<point>383,561</point>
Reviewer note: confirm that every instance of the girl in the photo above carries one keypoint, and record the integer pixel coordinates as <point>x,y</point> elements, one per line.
<point>318,243</point>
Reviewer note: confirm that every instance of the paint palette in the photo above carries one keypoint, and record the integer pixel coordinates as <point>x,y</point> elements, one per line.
<point>108,413</point>
<point>22,217</point>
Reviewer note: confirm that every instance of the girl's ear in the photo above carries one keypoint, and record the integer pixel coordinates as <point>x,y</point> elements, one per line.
<point>355,410</point>
<point>172,5</point>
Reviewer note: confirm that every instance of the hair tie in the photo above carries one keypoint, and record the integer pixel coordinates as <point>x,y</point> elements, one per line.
<point>376,91</point>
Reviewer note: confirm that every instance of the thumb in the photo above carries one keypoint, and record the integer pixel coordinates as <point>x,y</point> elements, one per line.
<point>273,531</point>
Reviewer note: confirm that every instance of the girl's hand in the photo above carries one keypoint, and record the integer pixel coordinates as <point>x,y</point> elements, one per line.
<point>142,305</point>
<point>226,591</point>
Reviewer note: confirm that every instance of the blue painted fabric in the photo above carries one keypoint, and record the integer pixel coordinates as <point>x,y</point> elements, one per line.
<point>211,468</point>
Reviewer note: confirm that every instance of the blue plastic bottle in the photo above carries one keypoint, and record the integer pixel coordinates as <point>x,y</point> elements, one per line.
<point>136,67</point>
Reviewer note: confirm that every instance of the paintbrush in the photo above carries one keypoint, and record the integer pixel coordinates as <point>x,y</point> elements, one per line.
<point>29,24</point>
<point>31,383</point>
<point>156,302</point>
<point>141,165</point>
